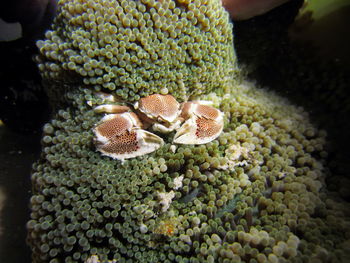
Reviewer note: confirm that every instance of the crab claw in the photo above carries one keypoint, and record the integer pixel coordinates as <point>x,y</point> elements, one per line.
<point>203,124</point>
<point>110,108</point>
<point>119,136</point>
<point>160,110</point>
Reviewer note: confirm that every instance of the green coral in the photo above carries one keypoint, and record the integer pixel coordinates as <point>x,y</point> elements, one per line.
<point>84,204</point>
<point>137,48</point>
<point>255,194</point>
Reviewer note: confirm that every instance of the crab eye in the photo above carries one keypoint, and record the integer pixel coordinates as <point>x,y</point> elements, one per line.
<point>159,107</point>
<point>119,136</point>
<point>204,124</point>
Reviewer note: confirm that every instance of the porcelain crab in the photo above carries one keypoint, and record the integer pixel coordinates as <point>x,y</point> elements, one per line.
<point>203,123</point>
<point>120,136</point>
<point>122,133</point>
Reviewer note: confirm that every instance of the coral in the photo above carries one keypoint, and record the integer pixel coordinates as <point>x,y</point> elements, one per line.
<point>254,194</point>
<point>168,226</point>
<point>137,48</point>
<point>271,208</point>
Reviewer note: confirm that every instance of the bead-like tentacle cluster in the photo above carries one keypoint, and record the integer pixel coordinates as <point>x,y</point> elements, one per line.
<point>120,135</point>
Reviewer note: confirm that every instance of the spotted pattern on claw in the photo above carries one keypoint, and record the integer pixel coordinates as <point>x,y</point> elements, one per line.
<point>120,136</point>
<point>207,112</point>
<point>207,128</point>
<point>159,107</point>
<point>203,124</point>
<point>124,143</point>
<point>114,127</point>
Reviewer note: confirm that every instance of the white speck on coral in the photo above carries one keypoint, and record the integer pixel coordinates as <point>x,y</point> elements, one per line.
<point>173,148</point>
<point>236,155</point>
<point>165,199</point>
<point>281,175</point>
<point>236,151</point>
<point>178,182</point>
<point>93,259</point>
<point>242,163</point>
<point>192,213</point>
<point>143,228</point>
